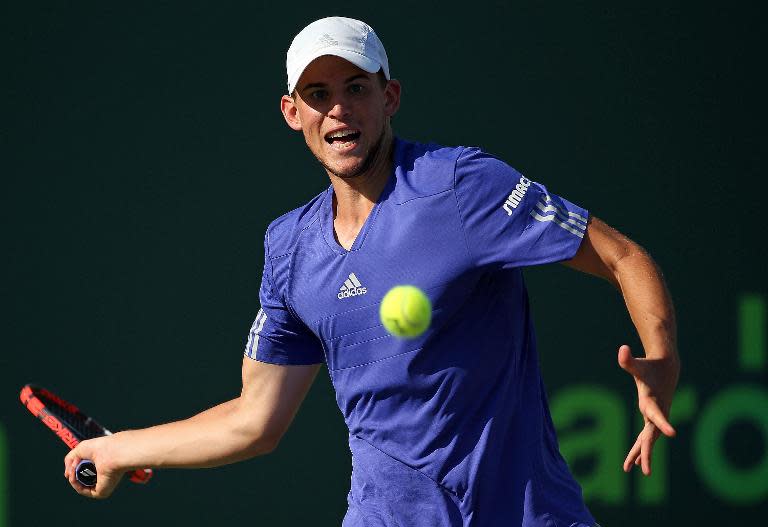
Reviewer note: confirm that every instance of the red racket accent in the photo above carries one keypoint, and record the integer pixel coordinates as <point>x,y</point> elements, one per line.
<point>141,476</point>
<point>68,422</point>
<point>39,410</point>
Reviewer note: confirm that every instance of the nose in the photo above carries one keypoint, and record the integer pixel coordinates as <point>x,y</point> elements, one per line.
<point>340,108</point>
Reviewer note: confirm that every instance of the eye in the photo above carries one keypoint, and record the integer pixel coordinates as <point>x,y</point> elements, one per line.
<point>318,95</point>
<point>356,88</point>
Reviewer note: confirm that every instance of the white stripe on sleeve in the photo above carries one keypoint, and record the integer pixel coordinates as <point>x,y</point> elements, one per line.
<point>253,337</point>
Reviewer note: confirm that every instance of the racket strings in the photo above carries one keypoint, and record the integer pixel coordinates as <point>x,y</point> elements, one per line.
<point>82,425</point>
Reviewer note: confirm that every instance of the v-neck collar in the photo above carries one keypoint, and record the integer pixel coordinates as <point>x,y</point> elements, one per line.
<point>327,210</point>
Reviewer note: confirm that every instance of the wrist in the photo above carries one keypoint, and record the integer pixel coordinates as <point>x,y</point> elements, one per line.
<point>121,455</point>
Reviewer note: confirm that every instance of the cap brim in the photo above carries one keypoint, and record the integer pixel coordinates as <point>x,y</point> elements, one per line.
<point>361,61</point>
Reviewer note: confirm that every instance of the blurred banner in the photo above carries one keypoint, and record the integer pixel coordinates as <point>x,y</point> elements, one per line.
<point>725,449</point>
<point>144,155</point>
<point>4,474</point>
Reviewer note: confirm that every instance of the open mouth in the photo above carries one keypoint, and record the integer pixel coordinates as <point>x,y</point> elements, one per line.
<point>342,137</point>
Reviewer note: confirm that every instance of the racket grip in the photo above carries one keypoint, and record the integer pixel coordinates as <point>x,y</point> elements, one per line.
<point>85,473</point>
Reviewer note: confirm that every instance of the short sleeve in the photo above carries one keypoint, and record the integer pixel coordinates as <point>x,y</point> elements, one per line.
<point>277,336</point>
<point>511,221</point>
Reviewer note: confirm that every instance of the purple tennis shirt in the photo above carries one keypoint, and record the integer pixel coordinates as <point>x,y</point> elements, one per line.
<point>450,428</point>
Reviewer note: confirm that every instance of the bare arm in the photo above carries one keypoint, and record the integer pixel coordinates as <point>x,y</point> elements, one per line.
<point>610,255</point>
<point>247,426</point>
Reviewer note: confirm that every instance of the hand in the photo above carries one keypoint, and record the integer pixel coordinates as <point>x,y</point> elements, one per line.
<point>99,451</point>
<point>656,380</point>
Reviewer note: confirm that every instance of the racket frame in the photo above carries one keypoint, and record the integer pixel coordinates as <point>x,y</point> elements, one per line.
<point>70,437</point>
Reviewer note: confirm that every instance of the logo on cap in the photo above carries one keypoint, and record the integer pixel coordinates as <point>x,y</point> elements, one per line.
<point>327,40</point>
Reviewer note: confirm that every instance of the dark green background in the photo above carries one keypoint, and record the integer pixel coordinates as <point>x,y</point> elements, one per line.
<point>143,155</point>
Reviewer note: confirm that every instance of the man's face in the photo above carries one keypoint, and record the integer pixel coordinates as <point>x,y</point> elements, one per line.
<point>343,112</point>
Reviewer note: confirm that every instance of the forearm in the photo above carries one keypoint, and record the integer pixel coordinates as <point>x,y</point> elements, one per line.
<point>217,436</point>
<point>233,431</point>
<point>607,253</point>
<point>649,303</point>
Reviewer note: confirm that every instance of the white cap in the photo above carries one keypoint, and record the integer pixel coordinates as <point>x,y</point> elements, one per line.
<point>347,38</point>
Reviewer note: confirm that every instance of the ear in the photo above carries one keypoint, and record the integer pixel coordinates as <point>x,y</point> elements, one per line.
<point>392,97</point>
<point>290,112</point>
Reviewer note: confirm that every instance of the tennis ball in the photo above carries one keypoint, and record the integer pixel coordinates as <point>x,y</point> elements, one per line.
<point>405,311</point>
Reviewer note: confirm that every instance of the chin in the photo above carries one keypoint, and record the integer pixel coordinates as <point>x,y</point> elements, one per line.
<point>347,171</point>
<point>346,167</point>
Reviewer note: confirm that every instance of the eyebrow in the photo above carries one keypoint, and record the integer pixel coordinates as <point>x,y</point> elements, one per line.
<point>322,84</point>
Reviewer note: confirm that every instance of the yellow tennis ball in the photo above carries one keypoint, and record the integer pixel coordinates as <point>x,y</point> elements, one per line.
<point>405,311</point>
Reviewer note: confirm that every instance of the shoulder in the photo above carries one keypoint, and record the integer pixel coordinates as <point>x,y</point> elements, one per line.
<point>424,169</point>
<point>427,169</point>
<point>423,155</point>
<point>284,232</point>
<point>474,163</point>
<point>484,183</point>
<point>483,175</point>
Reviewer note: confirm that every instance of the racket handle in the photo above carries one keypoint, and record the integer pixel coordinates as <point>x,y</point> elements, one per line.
<point>85,473</point>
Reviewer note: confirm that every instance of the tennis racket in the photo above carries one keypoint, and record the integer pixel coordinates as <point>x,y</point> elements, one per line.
<point>72,426</point>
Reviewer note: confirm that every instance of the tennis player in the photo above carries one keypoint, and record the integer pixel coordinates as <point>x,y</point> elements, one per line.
<point>450,428</point>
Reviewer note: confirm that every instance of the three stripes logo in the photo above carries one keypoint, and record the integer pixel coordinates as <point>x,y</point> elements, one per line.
<point>547,210</point>
<point>351,287</point>
<point>253,336</point>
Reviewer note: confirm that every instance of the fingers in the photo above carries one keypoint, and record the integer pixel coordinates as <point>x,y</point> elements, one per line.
<point>650,385</point>
<point>70,462</point>
<point>645,453</point>
<point>105,485</point>
<point>655,383</point>
<point>83,451</point>
<point>650,434</point>
<point>653,413</point>
<point>633,457</point>
<point>640,455</point>
<point>641,452</point>
<point>80,489</point>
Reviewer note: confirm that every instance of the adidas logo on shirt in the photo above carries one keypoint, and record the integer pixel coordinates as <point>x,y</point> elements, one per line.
<point>351,287</point>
